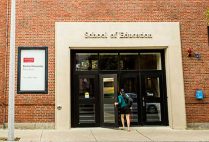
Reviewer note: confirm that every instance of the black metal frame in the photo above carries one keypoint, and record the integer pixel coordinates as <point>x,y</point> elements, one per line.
<point>119,73</point>
<point>76,101</point>
<point>45,91</point>
<point>101,76</point>
<point>162,100</point>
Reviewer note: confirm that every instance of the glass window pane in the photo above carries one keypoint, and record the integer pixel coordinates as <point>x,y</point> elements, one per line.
<point>130,87</point>
<point>108,61</point>
<point>86,61</point>
<point>108,90</point>
<point>109,113</point>
<point>87,113</point>
<point>152,87</point>
<point>153,112</point>
<point>150,61</point>
<point>108,99</point>
<point>86,88</point>
<point>128,61</point>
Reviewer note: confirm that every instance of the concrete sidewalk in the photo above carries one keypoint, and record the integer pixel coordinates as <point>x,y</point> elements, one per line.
<point>137,134</point>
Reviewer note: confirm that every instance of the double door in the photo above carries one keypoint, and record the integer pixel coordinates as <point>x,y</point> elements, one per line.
<point>94,96</point>
<point>93,101</point>
<point>148,91</point>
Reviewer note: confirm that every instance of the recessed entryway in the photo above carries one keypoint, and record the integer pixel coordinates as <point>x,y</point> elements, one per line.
<point>98,75</point>
<point>164,36</point>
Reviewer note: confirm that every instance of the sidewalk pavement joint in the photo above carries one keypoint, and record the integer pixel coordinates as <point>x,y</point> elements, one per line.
<point>144,135</point>
<point>41,135</point>
<point>93,136</point>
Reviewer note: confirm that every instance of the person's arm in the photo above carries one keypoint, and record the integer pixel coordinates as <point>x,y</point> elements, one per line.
<point>119,101</point>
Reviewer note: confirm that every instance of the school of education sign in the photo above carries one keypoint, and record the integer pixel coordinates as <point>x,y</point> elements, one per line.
<point>116,35</point>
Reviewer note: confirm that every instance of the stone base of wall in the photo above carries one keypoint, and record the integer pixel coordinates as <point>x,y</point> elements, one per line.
<point>198,126</point>
<point>194,126</point>
<point>32,126</point>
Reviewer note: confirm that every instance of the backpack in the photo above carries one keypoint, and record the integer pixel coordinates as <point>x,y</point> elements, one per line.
<point>128,100</point>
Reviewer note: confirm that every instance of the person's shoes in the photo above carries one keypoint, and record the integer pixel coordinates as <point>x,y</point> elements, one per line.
<point>122,128</point>
<point>129,130</point>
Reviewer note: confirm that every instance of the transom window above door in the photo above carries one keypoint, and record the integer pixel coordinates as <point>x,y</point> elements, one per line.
<point>107,61</point>
<point>86,61</point>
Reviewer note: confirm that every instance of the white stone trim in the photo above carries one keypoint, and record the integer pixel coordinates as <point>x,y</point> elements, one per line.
<point>165,35</point>
<point>33,125</point>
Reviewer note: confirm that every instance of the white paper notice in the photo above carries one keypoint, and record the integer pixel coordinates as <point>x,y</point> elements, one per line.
<point>32,77</point>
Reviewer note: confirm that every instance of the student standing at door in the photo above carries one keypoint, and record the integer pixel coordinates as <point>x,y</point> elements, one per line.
<point>124,109</point>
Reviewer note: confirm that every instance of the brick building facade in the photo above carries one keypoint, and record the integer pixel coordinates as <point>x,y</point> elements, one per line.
<point>3,51</point>
<point>35,27</point>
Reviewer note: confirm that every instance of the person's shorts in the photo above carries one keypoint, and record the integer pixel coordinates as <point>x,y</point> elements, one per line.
<point>125,110</point>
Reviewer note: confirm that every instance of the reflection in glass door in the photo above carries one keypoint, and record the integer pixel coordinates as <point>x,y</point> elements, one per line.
<point>129,82</point>
<point>108,96</point>
<point>94,91</point>
<point>86,101</point>
<point>153,98</point>
<point>86,91</point>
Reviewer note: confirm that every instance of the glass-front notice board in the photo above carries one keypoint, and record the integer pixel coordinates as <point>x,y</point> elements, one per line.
<point>32,70</point>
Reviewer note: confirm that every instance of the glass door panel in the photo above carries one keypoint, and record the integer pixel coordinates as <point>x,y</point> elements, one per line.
<point>108,93</point>
<point>152,97</point>
<point>86,113</point>
<point>108,97</point>
<point>153,112</point>
<point>152,87</point>
<point>129,82</point>
<point>87,100</point>
<point>86,87</point>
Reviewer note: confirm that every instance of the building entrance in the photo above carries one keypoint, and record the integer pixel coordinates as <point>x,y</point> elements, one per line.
<point>97,76</point>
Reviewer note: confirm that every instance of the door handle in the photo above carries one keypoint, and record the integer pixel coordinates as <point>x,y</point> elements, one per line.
<point>143,102</point>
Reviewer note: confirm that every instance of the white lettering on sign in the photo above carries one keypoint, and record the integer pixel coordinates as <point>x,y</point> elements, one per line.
<point>96,35</point>
<point>116,35</point>
<point>28,60</point>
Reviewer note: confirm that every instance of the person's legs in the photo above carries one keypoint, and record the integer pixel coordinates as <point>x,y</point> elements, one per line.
<point>128,121</point>
<point>122,120</point>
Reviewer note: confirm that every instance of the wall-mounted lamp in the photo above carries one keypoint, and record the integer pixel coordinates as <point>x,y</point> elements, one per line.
<point>59,107</point>
<point>197,55</point>
<point>191,53</point>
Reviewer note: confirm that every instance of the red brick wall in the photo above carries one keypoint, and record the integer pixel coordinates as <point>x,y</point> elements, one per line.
<point>35,27</point>
<point>3,45</point>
